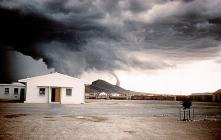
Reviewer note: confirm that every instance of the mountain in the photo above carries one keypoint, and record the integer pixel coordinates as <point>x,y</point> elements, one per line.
<point>103,86</point>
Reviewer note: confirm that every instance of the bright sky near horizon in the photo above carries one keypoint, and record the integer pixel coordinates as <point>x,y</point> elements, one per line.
<point>196,77</point>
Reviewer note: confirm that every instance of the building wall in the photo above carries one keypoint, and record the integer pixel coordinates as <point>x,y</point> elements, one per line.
<point>32,94</point>
<point>201,98</point>
<point>11,95</point>
<point>34,97</point>
<point>217,97</point>
<point>57,81</point>
<point>77,97</point>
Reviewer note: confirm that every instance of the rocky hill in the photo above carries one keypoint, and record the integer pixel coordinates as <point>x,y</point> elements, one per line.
<point>103,86</point>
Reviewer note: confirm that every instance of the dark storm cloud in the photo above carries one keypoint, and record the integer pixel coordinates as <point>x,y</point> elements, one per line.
<point>23,31</point>
<point>74,35</point>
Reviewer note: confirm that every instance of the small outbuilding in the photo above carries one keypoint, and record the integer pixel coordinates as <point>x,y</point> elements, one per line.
<point>54,88</point>
<point>217,96</point>
<point>14,91</point>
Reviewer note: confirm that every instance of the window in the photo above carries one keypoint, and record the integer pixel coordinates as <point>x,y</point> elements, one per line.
<point>6,90</point>
<point>15,91</point>
<point>68,92</point>
<point>42,92</point>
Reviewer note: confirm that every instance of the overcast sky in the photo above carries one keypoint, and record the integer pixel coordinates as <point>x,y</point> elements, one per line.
<point>162,46</point>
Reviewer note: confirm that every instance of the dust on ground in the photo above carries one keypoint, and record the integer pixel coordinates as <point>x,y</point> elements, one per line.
<point>109,119</point>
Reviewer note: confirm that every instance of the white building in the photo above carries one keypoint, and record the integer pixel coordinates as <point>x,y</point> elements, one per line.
<point>54,87</point>
<point>12,91</point>
<point>103,95</point>
<point>115,94</point>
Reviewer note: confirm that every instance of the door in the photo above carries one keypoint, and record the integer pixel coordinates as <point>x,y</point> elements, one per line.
<point>22,95</point>
<point>55,95</point>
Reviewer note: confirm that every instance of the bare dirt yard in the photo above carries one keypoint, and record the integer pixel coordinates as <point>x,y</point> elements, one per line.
<point>109,119</point>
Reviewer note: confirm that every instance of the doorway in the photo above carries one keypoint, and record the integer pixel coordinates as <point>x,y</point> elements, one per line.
<point>22,95</point>
<point>55,95</point>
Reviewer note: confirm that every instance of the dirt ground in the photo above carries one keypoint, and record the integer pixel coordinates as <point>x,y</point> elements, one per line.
<point>109,119</point>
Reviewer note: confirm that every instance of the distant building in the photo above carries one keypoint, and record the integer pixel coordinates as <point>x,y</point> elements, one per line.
<point>115,94</point>
<point>120,96</point>
<point>54,88</point>
<point>217,96</point>
<point>153,97</point>
<point>201,97</point>
<point>90,95</point>
<point>14,91</point>
<point>102,95</point>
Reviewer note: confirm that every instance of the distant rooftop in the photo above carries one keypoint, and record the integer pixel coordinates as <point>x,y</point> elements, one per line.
<point>218,91</point>
<point>206,93</point>
<point>13,84</point>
